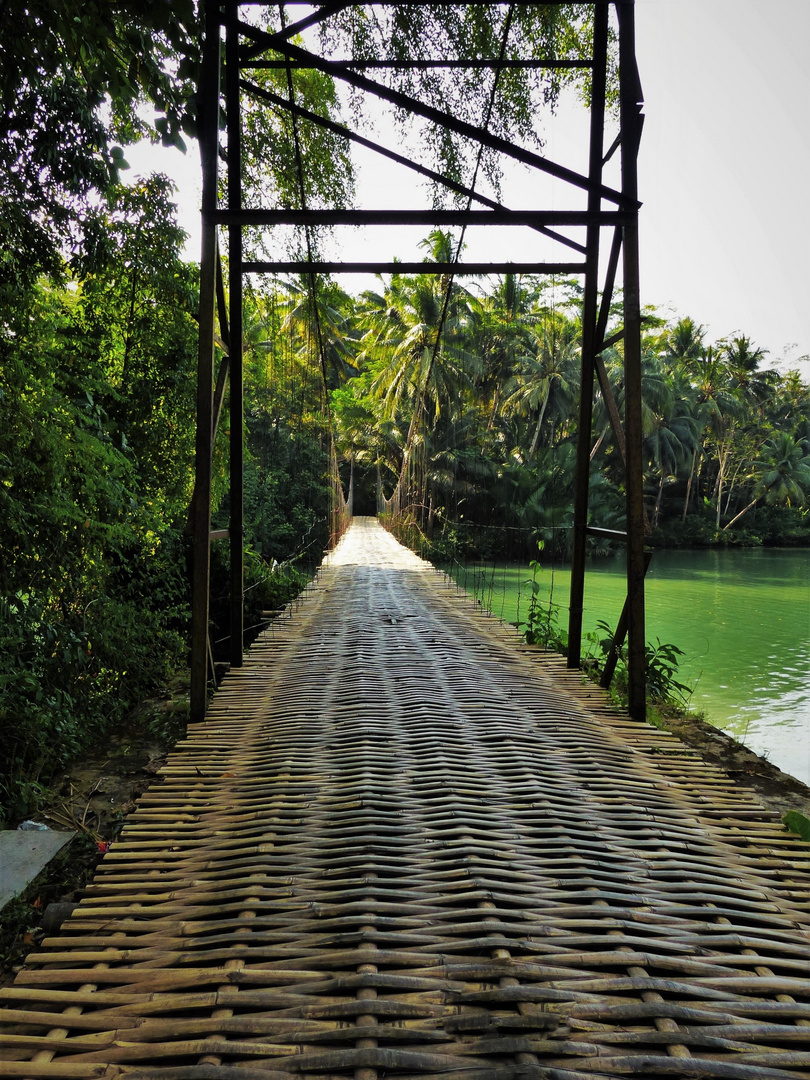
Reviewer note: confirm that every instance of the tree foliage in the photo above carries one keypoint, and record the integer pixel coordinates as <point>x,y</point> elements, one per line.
<point>73,78</point>
<point>469,31</point>
<point>95,477</point>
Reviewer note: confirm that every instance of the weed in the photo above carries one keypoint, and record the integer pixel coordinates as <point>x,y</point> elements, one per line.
<point>541,625</point>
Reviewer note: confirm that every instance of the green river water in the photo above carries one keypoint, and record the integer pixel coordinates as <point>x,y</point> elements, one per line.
<point>741,617</point>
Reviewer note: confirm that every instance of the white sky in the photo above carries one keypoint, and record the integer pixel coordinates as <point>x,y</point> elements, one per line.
<point>723,170</point>
<point>724,166</point>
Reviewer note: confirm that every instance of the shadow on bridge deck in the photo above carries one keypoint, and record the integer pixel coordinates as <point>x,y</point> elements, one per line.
<point>399,848</point>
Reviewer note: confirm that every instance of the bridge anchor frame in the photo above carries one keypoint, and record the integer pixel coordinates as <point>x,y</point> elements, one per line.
<point>239,57</point>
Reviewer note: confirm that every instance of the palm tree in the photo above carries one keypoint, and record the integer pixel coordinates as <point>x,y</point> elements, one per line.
<point>504,338</point>
<point>683,346</point>
<point>684,342</point>
<point>789,407</point>
<point>400,344</point>
<point>546,380</point>
<point>743,359</point>
<point>782,475</point>
<point>415,347</point>
<point>317,316</point>
<point>718,404</point>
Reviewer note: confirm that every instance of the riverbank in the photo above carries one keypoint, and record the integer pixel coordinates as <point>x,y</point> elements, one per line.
<point>778,790</point>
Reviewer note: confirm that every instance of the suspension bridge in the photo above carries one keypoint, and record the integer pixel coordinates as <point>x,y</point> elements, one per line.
<point>403,844</point>
<point>399,842</point>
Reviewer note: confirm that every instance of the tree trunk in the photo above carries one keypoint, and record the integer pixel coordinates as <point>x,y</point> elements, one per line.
<point>496,400</point>
<point>701,459</point>
<point>599,441</point>
<point>658,501</point>
<point>731,487</point>
<point>689,484</point>
<point>745,510</point>
<point>539,422</point>
<point>718,491</point>
<point>724,456</point>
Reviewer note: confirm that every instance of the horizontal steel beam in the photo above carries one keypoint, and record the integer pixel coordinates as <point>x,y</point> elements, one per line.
<point>417,217</point>
<point>425,3</point>
<point>425,65</point>
<point>469,269</point>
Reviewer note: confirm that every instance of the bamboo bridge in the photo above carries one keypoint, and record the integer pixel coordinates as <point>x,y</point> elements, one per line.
<point>402,844</point>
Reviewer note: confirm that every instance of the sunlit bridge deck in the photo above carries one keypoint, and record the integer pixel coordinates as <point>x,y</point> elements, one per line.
<point>404,845</point>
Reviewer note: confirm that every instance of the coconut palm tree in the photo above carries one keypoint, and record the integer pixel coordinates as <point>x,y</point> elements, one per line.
<point>684,343</point>
<point>743,359</point>
<point>781,476</point>
<point>317,316</point>
<point>671,443</point>
<point>411,355</point>
<point>718,404</point>
<point>504,338</point>
<point>544,383</point>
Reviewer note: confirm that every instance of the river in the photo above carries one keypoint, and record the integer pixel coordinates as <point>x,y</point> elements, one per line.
<point>741,617</point>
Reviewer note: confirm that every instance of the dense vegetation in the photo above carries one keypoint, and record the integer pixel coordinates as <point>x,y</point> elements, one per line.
<point>726,438</point>
<point>96,351</point>
<point>97,385</point>
<point>98,343</point>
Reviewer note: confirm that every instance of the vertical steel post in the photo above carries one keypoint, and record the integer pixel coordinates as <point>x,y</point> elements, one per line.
<point>209,115</point>
<point>631,102</point>
<point>235,312</point>
<point>589,319</point>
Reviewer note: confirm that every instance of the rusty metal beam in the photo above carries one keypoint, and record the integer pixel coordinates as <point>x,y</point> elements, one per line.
<point>209,107</point>
<point>500,216</point>
<point>631,104</point>
<point>612,658</point>
<point>236,463</point>
<point>589,342</point>
<point>425,65</point>
<point>324,11</point>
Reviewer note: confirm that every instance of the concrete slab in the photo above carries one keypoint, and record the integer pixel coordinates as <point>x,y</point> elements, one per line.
<point>23,855</point>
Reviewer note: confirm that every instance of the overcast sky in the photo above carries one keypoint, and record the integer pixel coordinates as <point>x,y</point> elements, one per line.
<point>724,168</point>
<point>725,164</point>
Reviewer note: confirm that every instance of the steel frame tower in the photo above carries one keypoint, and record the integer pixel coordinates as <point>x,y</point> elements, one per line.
<point>606,237</point>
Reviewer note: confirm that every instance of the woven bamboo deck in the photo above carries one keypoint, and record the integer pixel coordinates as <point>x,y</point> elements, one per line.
<point>398,848</point>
